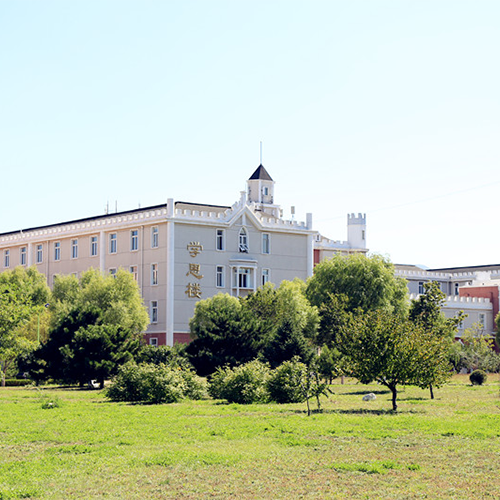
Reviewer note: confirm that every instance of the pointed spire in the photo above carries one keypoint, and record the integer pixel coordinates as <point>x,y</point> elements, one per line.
<point>260,173</point>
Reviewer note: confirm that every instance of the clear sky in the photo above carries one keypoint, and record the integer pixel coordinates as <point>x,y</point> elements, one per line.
<point>390,108</point>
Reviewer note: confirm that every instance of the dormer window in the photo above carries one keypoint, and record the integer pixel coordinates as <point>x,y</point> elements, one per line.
<point>243,241</point>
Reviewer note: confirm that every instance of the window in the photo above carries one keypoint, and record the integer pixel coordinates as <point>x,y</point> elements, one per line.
<point>153,341</point>
<point>112,271</point>
<point>134,240</point>
<point>265,243</point>
<point>74,249</point>
<point>266,191</point>
<point>154,274</point>
<point>22,258</point>
<point>133,272</point>
<point>57,250</point>
<point>154,237</point>
<point>363,234</point>
<point>6,258</point>
<point>93,246</point>
<point>265,276</point>
<point>243,278</point>
<point>39,254</point>
<point>243,241</point>
<point>112,243</point>
<point>420,287</point>
<point>154,311</point>
<point>219,239</point>
<point>219,277</point>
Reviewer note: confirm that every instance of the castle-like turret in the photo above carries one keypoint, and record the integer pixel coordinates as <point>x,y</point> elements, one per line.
<point>356,230</point>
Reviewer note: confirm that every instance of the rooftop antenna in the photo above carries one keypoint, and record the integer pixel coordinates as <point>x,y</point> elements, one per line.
<point>261,152</point>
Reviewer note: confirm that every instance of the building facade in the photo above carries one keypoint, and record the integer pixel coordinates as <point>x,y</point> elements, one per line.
<point>475,290</point>
<point>178,252</point>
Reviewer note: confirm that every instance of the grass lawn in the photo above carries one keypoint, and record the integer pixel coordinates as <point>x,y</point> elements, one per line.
<point>87,447</point>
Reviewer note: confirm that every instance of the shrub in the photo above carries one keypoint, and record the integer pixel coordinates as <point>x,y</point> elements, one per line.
<point>478,377</point>
<point>243,384</point>
<point>286,382</point>
<point>155,384</point>
<point>17,382</point>
<point>163,354</point>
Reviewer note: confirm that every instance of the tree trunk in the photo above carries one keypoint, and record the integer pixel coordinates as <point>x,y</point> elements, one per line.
<point>432,392</point>
<point>394,391</point>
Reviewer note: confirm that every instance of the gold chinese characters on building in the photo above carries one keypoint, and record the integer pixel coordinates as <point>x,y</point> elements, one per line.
<point>193,290</point>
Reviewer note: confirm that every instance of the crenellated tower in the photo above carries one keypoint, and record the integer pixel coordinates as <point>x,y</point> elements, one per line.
<point>356,230</point>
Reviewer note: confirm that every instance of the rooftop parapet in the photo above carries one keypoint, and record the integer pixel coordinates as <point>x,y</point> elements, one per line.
<point>102,222</point>
<point>434,274</point>
<point>455,300</point>
<point>356,219</point>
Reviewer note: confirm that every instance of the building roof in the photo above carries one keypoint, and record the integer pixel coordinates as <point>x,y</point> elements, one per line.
<point>467,269</point>
<point>261,173</point>
<point>180,204</point>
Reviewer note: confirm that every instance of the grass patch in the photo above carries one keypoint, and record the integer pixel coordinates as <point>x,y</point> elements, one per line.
<point>87,447</point>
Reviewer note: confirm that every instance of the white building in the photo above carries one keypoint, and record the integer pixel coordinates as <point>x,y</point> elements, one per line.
<point>475,290</point>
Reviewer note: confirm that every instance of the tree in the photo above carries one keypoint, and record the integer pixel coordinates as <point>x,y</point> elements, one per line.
<point>22,295</point>
<point>391,350</point>
<point>288,342</point>
<point>287,321</point>
<point>426,312</point>
<point>369,283</point>
<point>497,330</point>
<point>223,334</point>
<point>97,326</point>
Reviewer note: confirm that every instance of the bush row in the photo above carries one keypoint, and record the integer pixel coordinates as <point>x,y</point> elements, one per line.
<point>255,382</point>
<point>15,382</point>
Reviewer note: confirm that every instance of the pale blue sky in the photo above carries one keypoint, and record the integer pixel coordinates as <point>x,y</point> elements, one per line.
<point>384,107</point>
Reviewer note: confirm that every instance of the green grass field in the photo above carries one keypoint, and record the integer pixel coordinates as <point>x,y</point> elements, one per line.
<point>88,447</point>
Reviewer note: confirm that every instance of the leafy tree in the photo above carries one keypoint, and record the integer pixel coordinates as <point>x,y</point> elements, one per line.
<point>391,350</point>
<point>329,363</point>
<point>369,283</point>
<point>426,312</point>
<point>223,334</point>
<point>97,327</point>
<point>287,321</point>
<point>497,330</point>
<point>22,295</point>
<point>288,342</point>
<point>334,317</point>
